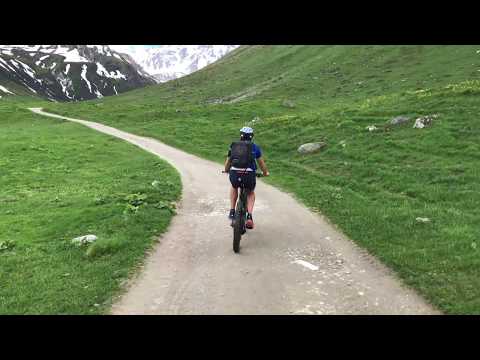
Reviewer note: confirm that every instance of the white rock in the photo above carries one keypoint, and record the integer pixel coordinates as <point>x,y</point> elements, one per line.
<point>311,147</point>
<point>86,239</point>
<point>423,220</point>
<point>418,124</point>
<point>371,128</point>
<point>424,121</point>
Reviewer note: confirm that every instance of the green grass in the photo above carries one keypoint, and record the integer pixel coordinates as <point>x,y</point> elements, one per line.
<point>60,180</point>
<point>375,186</point>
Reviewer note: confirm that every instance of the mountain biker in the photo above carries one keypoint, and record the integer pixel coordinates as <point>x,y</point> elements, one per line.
<point>241,165</point>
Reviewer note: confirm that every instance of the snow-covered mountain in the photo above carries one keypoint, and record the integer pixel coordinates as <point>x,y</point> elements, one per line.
<point>168,62</point>
<point>68,72</point>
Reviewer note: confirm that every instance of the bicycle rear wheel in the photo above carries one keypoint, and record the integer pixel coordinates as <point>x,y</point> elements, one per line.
<point>237,231</point>
<point>239,224</point>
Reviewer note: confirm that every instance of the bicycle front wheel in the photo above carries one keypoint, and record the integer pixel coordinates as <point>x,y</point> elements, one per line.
<point>237,233</point>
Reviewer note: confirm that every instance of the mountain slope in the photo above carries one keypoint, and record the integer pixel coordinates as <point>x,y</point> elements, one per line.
<point>169,62</point>
<point>378,186</point>
<point>68,72</point>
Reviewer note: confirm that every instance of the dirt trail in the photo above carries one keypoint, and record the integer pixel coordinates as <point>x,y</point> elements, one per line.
<point>194,270</point>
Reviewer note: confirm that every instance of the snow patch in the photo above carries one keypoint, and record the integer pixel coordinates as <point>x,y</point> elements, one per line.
<point>66,83</point>
<point>101,71</point>
<point>28,70</point>
<point>29,88</point>
<point>70,55</point>
<point>96,92</point>
<point>15,63</point>
<point>67,69</point>
<point>5,65</point>
<point>5,90</point>
<point>84,77</point>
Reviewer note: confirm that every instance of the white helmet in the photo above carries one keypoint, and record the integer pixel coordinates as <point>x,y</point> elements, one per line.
<point>246,130</point>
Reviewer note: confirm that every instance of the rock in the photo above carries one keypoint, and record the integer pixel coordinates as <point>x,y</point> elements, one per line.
<point>399,120</point>
<point>6,245</point>
<point>86,239</point>
<point>422,220</point>
<point>424,121</point>
<point>371,128</point>
<point>288,103</point>
<point>311,147</point>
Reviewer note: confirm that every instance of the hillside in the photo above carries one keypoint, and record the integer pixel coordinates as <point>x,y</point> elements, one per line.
<point>67,72</point>
<point>374,185</point>
<point>59,181</point>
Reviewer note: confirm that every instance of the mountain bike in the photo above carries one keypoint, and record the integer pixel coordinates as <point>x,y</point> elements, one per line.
<point>238,222</point>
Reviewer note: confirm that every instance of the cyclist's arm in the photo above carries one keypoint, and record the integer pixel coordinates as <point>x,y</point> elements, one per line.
<point>263,166</point>
<point>228,163</point>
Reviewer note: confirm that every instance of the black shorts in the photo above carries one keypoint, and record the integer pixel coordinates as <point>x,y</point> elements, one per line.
<point>247,179</point>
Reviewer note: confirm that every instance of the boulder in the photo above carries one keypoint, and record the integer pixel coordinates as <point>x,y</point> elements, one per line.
<point>424,121</point>
<point>86,239</point>
<point>311,147</point>
<point>399,120</point>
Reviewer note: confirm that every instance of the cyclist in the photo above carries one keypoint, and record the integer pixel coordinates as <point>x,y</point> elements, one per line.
<point>241,165</point>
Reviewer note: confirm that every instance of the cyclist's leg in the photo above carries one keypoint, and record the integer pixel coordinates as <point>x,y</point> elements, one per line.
<point>233,197</point>
<point>251,180</point>
<point>233,193</point>
<point>250,201</point>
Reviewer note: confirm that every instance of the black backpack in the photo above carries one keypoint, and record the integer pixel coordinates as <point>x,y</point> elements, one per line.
<point>241,154</point>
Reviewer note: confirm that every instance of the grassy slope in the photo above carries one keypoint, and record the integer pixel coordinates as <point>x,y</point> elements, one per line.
<point>375,186</point>
<point>59,180</point>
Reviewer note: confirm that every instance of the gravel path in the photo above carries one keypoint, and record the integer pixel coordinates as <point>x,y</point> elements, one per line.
<point>309,268</point>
